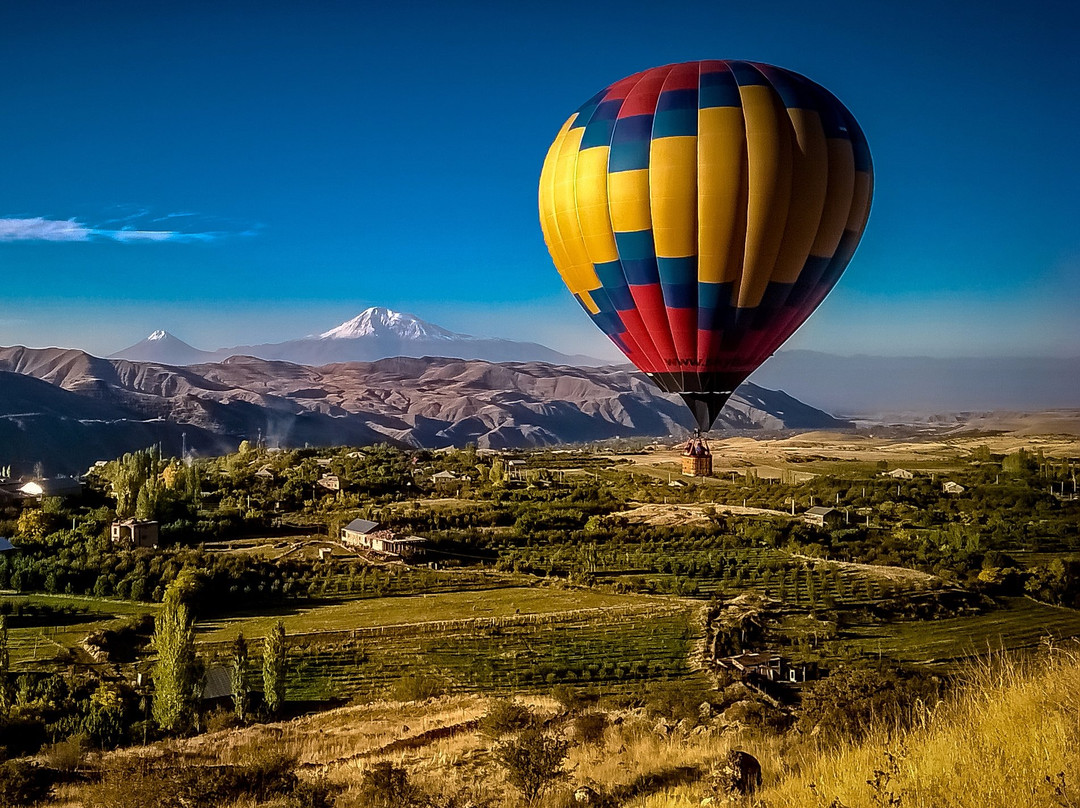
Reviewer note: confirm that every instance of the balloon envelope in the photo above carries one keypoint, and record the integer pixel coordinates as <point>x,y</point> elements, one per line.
<point>699,212</point>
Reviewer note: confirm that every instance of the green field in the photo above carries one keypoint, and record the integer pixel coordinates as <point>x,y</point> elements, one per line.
<point>610,650</point>
<point>42,644</point>
<point>1022,623</point>
<point>466,605</point>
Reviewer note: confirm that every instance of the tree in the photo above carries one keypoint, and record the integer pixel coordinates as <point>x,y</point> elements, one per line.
<point>34,524</point>
<point>4,663</point>
<point>275,651</point>
<point>532,762</point>
<point>241,691</point>
<point>175,671</point>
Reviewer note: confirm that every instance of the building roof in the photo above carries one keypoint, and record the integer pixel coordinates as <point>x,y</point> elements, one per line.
<point>5,545</point>
<point>752,660</point>
<point>135,522</point>
<point>361,526</point>
<point>217,684</point>
<point>444,475</point>
<point>820,511</point>
<point>51,487</point>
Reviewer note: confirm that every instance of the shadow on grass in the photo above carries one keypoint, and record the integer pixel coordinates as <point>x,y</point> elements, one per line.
<point>648,784</point>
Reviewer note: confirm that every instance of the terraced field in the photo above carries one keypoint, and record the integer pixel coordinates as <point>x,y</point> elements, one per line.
<point>1022,623</point>
<point>606,648</point>
<point>350,615</point>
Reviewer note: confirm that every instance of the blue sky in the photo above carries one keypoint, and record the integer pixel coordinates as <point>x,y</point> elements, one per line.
<point>246,172</point>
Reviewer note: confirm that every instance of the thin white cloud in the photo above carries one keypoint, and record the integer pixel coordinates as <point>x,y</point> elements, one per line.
<point>38,228</point>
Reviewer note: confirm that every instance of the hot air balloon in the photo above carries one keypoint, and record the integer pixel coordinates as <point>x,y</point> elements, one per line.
<point>700,212</point>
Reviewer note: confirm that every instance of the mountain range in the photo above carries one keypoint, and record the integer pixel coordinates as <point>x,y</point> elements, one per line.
<point>376,333</point>
<point>68,409</point>
<point>892,389</point>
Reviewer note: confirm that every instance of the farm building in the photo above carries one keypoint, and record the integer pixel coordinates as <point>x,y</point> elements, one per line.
<point>448,481</point>
<point>354,532</point>
<point>365,534</point>
<point>133,533</point>
<point>769,666</point>
<point>953,488</point>
<point>331,482</point>
<point>824,517</point>
<point>697,458</point>
<point>385,541</point>
<point>900,474</point>
<point>264,473</point>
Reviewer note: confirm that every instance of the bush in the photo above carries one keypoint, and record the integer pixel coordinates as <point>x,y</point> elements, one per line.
<point>505,717</point>
<point>23,784</point>
<point>848,703</point>
<point>589,728</point>
<point>532,762</point>
<point>676,701</point>
<point>416,688</point>
<point>385,785</point>
<point>220,719</point>
<point>318,793</point>
<point>67,756</point>
<point>173,782</point>
<point>569,698</point>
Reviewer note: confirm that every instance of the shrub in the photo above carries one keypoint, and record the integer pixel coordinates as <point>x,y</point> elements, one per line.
<point>416,688</point>
<point>588,728</point>
<point>220,719</point>
<point>505,717</point>
<point>569,698</point>
<point>846,704</point>
<point>173,782</point>
<point>318,793</point>
<point>532,762</point>
<point>67,756</point>
<point>385,785</point>
<point>23,784</point>
<point>676,701</point>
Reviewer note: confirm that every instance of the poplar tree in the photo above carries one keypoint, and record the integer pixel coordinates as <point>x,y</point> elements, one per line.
<point>274,653</point>
<point>4,662</point>
<point>240,690</point>
<point>175,671</point>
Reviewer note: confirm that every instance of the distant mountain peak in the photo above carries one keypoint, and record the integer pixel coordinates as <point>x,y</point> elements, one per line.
<point>163,347</point>
<point>379,321</point>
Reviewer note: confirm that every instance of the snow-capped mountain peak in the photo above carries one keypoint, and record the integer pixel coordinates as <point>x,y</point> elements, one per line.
<point>382,322</point>
<point>158,335</point>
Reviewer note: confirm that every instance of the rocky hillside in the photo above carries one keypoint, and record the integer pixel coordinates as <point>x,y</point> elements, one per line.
<point>67,408</point>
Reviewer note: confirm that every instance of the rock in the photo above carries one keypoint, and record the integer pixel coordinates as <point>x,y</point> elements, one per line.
<point>662,727</point>
<point>738,772</point>
<point>585,795</point>
<point>705,711</point>
<point>746,712</point>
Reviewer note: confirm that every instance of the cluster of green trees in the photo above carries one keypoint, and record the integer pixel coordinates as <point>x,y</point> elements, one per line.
<point>177,673</point>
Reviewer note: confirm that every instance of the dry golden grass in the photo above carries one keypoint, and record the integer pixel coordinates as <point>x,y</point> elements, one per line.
<point>1010,738</point>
